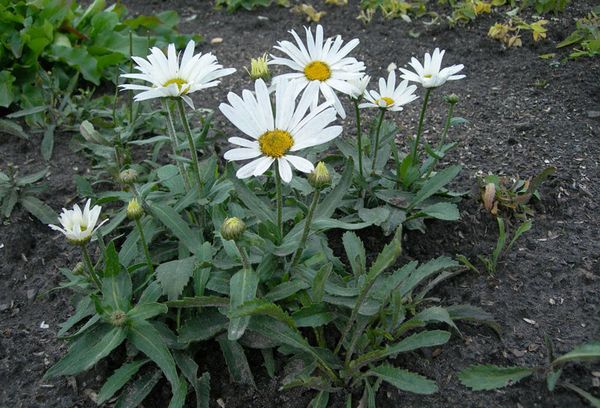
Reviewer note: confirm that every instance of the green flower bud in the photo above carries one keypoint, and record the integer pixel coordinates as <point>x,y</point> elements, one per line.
<point>452,99</point>
<point>79,269</point>
<point>128,176</point>
<point>118,318</point>
<point>320,177</point>
<point>259,68</point>
<point>232,228</point>
<point>134,209</point>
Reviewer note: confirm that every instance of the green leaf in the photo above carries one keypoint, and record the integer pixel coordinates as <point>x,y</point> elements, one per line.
<point>475,314</point>
<point>10,127</point>
<point>374,216</point>
<point>286,289</point>
<point>523,228</point>
<point>250,200</point>
<point>424,271</point>
<point>39,209</point>
<point>112,267</point>
<point>78,58</point>
<point>146,311</point>
<point>200,301</point>
<point>133,396</point>
<point>117,291</point>
<point>355,252</point>
<point>171,219</point>
<point>584,352</point>
<point>149,341</point>
<point>261,307</point>
<point>202,326</point>
<point>242,288</point>
<point>118,379</point>
<point>551,379</point>
<point>490,377</point>
<point>442,211</point>
<point>238,366</point>
<point>313,316</point>
<point>201,385</point>
<point>179,395</point>
<point>319,282</point>
<point>83,309</point>
<point>47,145</point>
<point>404,380</point>
<point>436,314</point>
<point>320,400</point>
<point>594,402</point>
<point>387,257</point>
<point>174,276</point>
<point>87,350</point>
<point>434,184</point>
<point>7,95</point>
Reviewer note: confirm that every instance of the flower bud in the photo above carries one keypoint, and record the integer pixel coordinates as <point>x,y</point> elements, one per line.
<point>128,176</point>
<point>259,68</point>
<point>452,99</point>
<point>320,177</point>
<point>118,318</point>
<point>232,228</point>
<point>79,269</point>
<point>134,209</point>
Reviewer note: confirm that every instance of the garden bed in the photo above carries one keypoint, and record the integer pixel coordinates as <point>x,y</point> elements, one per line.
<point>524,113</point>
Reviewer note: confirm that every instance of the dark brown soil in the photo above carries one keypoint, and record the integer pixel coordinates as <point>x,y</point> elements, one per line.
<point>516,127</point>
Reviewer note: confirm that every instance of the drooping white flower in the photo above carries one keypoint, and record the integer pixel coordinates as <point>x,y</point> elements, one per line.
<point>359,86</point>
<point>430,74</point>
<point>275,135</point>
<point>389,97</point>
<point>170,77</point>
<point>323,62</point>
<point>77,226</point>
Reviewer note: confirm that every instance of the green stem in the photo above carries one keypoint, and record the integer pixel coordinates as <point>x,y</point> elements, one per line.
<point>359,138</point>
<point>90,266</point>
<point>420,128</point>
<point>279,201</point>
<point>190,138</point>
<point>381,113</point>
<point>442,138</point>
<point>175,143</point>
<point>307,222</point>
<point>145,246</point>
<point>243,257</point>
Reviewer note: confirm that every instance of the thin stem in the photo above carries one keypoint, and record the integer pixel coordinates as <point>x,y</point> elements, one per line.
<point>420,128</point>
<point>175,143</point>
<point>90,266</point>
<point>190,138</point>
<point>381,113</point>
<point>443,137</point>
<point>145,246</point>
<point>359,138</point>
<point>307,222</point>
<point>243,257</point>
<point>279,202</point>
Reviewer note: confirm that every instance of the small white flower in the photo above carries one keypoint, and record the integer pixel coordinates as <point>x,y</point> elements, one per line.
<point>78,226</point>
<point>389,97</point>
<point>322,62</point>
<point>430,74</point>
<point>173,78</point>
<point>289,129</point>
<point>359,86</point>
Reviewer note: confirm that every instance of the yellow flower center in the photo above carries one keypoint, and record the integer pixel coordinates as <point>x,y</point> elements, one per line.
<point>317,71</point>
<point>427,76</point>
<point>275,143</point>
<point>388,101</point>
<point>82,227</point>
<point>181,83</point>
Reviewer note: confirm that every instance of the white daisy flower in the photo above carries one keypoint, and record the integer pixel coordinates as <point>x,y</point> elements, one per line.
<point>78,226</point>
<point>170,77</point>
<point>277,134</point>
<point>430,74</point>
<point>389,97</point>
<point>359,86</point>
<point>322,62</point>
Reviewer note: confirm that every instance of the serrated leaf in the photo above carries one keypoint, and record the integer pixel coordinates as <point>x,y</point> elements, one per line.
<point>261,307</point>
<point>436,314</point>
<point>149,341</point>
<point>86,351</point>
<point>374,216</point>
<point>236,360</point>
<point>434,184</point>
<point>39,209</point>
<point>242,288</point>
<point>133,396</point>
<point>118,379</point>
<point>404,379</point>
<point>589,351</point>
<point>490,377</point>
<point>355,252</point>
<point>174,276</point>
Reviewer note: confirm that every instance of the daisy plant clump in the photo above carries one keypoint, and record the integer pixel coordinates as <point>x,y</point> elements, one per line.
<point>175,77</point>
<point>238,253</point>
